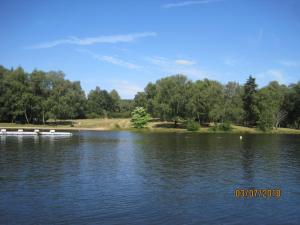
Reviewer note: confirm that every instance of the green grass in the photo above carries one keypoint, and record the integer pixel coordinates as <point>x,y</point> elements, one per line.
<point>124,124</point>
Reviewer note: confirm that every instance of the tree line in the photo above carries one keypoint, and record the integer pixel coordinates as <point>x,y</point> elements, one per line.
<point>39,96</point>
<point>176,98</point>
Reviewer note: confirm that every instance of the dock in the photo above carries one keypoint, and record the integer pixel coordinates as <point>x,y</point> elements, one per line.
<point>35,132</point>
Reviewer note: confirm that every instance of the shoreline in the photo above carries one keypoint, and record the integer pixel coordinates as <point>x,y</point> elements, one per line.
<point>205,130</point>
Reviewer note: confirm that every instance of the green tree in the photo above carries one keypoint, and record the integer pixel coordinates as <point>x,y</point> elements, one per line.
<point>140,100</point>
<point>67,99</point>
<point>250,89</point>
<point>292,104</point>
<point>151,93</point>
<point>99,103</point>
<point>171,98</point>
<point>16,84</point>
<point>115,101</point>
<point>40,89</point>
<point>205,101</point>
<point>139,117</point>
<point>269,105</point>
<point>233,103</point>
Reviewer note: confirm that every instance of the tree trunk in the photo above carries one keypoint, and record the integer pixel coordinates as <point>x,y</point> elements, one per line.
<point>43,117</point>
<point>26,117</point>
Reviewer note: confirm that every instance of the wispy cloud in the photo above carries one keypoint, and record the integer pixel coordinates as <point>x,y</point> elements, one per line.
<point>112,39</point>
<point>181,66</point>
<point>230,61</point>
<point>289,63</point>
<point>184,62</point>
<point>110,59</point>
<point>125,88</point>
<point>270,75</point>
<point>189,3</point>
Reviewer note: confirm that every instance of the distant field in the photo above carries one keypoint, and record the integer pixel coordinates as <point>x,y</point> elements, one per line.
<point>124,124</point>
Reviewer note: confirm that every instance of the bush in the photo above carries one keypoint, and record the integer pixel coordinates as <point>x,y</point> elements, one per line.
<point>265,122</point>
<point>192,125</point>
<point>226,126</point>
<point>117,126</point>
<point>139,117</point>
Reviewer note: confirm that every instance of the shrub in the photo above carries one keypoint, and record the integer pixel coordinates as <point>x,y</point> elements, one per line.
<point>139,117</point>
<point>214,128</point>
<point>192,125</point>
<point>226,126</point>
<point>117,126</point>
<point>265,122</point>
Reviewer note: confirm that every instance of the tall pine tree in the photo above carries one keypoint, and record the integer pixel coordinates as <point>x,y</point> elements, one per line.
<point>250,89</point>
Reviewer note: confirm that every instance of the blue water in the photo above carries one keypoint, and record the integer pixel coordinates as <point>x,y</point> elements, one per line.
<point>148,178</point>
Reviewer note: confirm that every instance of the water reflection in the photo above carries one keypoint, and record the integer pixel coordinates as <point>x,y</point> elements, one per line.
<point>248,153</point>
<point>3,139</point>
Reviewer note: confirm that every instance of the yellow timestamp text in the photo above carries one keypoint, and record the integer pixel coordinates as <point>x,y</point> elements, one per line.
<point>257,193</point>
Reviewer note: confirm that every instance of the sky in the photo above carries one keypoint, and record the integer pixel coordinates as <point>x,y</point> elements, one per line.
<point>123,45</point>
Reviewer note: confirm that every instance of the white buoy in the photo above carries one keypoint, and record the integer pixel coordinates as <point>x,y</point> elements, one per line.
<point>241,137</point>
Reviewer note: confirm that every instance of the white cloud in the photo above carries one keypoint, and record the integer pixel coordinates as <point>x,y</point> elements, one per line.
<point>110,59</point>
<point>184,62</point>
<point>112,39</point>
<point>276,74</point>
<point>270,75</point>
<point>117,61</point>
<point>171,66</point>
<point>126,89</point>
<point>289,63</point>
<point>189,3</point>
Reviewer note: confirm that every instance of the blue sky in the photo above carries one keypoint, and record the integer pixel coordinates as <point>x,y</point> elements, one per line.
<point>123,45</point>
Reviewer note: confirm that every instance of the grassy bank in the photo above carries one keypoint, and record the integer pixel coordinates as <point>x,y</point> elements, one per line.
<point>124,124</point>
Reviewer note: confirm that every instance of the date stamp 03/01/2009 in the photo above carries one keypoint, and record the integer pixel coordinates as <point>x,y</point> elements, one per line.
<point>257,193</point>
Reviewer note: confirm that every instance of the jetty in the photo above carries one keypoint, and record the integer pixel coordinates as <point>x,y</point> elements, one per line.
<point>35,132</point>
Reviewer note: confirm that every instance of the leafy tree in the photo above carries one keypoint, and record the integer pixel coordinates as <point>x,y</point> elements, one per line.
<point>16,87</point>
<point>291,105</point>
<point>66,99</point>
<point>140,117</point>
<point>269,104</point>
<point>151,93</point>
<point>205,101</point>
<point>171,99</point>
<point>233,103</point>
<point>40,89</point>
<point>140,99</point>
<point>115,101</point>
<point>100,102</point>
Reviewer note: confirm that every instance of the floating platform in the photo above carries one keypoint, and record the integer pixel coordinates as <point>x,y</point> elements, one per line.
<point>35,132</point>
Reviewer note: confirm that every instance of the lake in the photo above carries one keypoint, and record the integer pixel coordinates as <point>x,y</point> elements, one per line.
<point>122,177</point>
